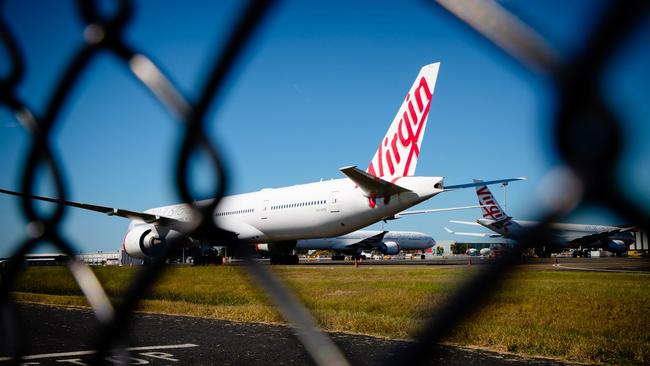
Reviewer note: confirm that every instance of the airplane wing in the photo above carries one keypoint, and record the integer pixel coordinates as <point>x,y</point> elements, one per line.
<point>371,185</point>
<point>481,235</point>
<point>369,242</point>
<point>589,238</point>
<point>110,211</point>
<point>478,184</point>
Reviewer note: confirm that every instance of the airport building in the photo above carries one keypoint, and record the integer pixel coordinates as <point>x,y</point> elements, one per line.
<point>116,258</point>
<point>445,246</point>
<point>641,242</point>
<point>101,258</point>
<point>46,259</point>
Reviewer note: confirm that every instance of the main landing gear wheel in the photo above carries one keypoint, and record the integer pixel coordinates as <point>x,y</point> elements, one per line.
<point>283,259</point>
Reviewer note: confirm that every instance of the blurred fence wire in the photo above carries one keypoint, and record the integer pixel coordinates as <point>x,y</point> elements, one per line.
<point>581,107</point>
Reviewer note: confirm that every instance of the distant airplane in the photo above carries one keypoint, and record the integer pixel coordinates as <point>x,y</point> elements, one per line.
<point>354,243</point>
<point>385,242</point>
<point>612,238</point>
<point>280,217</point>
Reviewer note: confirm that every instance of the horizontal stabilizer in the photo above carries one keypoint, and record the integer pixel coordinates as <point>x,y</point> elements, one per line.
<point>486,183</point>
<point>480,235</point>
<point>465,222</point>
<point>372,186</point>
<point>417,212</point>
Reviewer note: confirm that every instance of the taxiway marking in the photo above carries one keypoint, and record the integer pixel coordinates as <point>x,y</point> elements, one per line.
<point>90,352</point>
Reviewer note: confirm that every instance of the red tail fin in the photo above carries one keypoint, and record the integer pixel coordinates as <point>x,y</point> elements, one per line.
<point>493,211</point>
<point>398,151</point>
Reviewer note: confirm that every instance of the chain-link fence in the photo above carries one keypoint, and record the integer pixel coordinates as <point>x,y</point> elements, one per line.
<point>590,175</point>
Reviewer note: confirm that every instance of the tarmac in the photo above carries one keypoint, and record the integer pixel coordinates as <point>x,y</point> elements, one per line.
<point>63,335</point>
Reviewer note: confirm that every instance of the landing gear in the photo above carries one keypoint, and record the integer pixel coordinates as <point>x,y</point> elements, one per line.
<point>283,258</point>
<point>282,253</point>
<point>206,257</point>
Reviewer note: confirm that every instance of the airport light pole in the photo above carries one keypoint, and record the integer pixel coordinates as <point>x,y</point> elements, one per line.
<point>505,195</point>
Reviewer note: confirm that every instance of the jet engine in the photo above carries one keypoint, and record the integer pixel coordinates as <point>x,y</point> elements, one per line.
<point>616,246</point>
<point>141,242</point>
<point>144,241</point>
<point>389,247</point>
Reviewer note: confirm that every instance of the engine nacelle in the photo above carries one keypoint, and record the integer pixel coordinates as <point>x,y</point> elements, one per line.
<point>616,246</point>
<point>141,242</point>
<point>144,241</point>
<point>389,247</point>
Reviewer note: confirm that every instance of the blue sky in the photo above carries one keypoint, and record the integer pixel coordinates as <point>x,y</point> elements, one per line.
<point>315,91</point>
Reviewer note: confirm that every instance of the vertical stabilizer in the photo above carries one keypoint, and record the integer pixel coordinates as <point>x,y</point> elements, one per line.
<point>398,151</point>
<point>492,209</point>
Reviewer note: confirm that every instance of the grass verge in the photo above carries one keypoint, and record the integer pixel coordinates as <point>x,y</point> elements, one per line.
<point>575,316</point>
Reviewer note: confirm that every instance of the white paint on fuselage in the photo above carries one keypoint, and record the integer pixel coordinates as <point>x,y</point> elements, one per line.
<point>306,211</point>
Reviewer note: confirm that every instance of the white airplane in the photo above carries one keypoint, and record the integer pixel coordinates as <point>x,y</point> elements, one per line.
<point>281,217</point>
<point>612,238</point>
<point>354,243</point>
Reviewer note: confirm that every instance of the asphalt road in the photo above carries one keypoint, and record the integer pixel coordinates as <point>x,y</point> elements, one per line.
<point>60,335</point>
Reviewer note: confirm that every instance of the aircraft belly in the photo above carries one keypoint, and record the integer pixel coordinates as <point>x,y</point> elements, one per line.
<point>318,244</point>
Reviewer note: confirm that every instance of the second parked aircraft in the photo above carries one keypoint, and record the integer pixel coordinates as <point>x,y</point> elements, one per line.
<point>578,236</point>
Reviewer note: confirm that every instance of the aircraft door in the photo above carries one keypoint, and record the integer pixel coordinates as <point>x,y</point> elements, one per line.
<point>334,201</point>
<point>264,210</point>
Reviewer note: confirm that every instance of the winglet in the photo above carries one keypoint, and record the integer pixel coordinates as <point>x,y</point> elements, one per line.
<point>372,186</point>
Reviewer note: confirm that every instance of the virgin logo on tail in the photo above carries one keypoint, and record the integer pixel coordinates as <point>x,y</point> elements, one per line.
<point>398,151</point>
<point>492,210</point>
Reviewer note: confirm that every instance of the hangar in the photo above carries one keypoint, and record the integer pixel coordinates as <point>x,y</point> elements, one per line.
<point>641,243</point>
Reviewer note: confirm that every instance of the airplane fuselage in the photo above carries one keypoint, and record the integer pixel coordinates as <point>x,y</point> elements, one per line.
<point>563,233</point>
<point>306,211</point>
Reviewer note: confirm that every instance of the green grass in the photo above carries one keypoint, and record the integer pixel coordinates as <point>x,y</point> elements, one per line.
<point>576,316</point>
